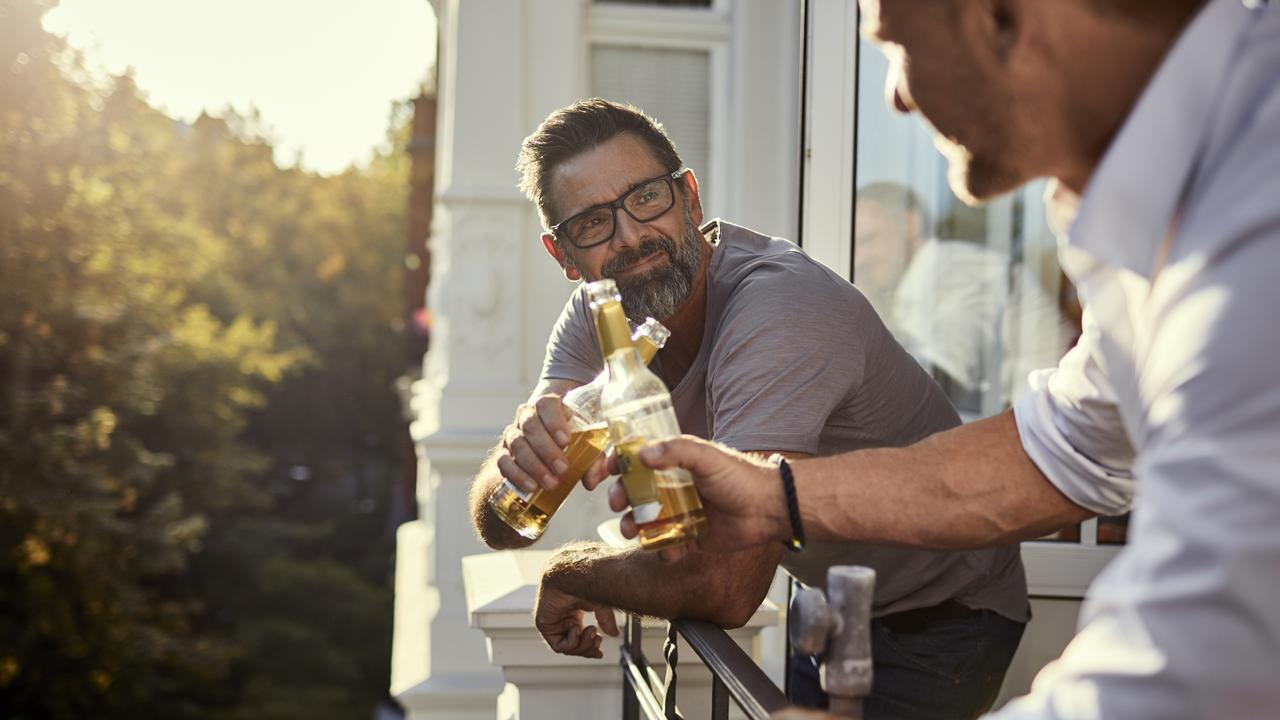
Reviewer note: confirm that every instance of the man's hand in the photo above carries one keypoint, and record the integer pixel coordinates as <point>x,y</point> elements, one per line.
<point>558,616</point>
<point>531,454</point>
<point>742,496</point>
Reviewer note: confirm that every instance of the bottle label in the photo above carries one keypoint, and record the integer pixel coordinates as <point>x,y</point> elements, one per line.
<point>638,480</point>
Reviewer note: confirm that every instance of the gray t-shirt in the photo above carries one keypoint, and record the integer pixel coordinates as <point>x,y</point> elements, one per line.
<point>793,358</point>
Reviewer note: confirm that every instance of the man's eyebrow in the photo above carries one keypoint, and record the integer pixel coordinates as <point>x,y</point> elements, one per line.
<point>607,203</point>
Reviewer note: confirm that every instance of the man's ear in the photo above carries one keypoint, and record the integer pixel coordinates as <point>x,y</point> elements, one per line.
<point>689,182</point>
<point>1002,22</point>
<point>562,258</point>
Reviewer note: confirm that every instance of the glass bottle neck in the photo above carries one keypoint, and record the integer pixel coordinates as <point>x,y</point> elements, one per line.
<point>624,361</point>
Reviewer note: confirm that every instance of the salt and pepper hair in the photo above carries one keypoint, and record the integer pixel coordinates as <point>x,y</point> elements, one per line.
<point>575,129</point>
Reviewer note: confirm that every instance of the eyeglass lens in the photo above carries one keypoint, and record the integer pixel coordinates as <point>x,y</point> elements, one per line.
<point>644,203</point>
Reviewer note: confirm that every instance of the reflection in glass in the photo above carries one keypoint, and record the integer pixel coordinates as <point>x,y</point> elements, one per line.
<point>974,294</point>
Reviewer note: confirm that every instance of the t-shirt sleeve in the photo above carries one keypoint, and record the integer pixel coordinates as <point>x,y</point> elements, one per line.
<point>786,355</point>
<point>572,350</point>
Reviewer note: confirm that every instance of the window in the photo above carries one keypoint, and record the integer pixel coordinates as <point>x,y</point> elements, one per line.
<point>672,62</point>
<point>974,294</point>
<point>643,77</point>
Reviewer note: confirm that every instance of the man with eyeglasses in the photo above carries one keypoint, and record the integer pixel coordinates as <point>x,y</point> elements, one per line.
<point>769,352</point>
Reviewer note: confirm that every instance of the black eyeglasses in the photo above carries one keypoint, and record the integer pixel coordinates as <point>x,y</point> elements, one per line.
<point>645,202</point>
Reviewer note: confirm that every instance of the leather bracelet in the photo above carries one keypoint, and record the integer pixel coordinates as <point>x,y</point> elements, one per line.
<point>796,543</point>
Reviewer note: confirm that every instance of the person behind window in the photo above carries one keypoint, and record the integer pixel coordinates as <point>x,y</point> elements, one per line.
<point>770,352</point>
<point>1160,124</point>
<point>955,305</point>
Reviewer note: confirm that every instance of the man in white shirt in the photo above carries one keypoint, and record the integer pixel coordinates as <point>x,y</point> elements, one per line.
<point>1160,122</point>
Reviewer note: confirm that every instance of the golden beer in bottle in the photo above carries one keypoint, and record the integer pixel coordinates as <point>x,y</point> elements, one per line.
<point>529,512</point>
<point>637,407</point>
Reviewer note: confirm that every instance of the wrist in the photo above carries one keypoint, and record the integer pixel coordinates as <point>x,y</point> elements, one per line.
<point>784,509</point>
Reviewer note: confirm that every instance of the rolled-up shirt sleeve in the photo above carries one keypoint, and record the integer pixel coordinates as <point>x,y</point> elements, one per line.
<point>1072,430</point>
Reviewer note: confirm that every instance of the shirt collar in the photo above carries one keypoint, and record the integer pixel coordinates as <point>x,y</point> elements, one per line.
<point>1130,200</point>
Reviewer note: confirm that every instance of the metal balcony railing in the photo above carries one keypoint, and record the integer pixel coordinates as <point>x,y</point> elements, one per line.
<point>734,675</point>
<point>834,625</point>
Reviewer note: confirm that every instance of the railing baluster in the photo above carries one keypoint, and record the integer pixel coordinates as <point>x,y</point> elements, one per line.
<point>719,700</point>
<point>637,690</point>
<point>838,630</point>
<point>671,652</point>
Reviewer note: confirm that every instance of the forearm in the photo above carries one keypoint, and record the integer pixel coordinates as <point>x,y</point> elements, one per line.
<point>724,589</point>
<point>971,486</point>
<point>492,530</point>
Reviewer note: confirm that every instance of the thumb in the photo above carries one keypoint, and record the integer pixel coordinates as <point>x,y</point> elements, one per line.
<point>607,621</point>
<point>691,453</point>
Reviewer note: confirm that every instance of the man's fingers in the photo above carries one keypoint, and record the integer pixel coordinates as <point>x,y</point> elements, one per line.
<point>607,621</point>
<point>555,418</point>
<point>511,470</point>
<point>627,526</point>
<point>618,497</point>
<point>595,474</point>
<point>581,642</point>
<point>694,454</point>
<point>529,461</point>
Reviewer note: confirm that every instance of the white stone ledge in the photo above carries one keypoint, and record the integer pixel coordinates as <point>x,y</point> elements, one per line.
<point>501,589</point>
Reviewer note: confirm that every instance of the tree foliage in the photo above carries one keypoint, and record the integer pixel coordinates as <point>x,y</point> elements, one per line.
<point>196,411</point>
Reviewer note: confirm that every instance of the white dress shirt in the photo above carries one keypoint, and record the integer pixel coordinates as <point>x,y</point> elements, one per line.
<point>1170,403</point>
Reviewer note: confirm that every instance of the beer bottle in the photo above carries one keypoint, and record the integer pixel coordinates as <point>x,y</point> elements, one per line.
<point>637,408</point>
<point>529,512</point>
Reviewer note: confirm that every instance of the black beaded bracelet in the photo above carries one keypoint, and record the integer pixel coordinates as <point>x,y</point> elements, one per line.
<point>796,543</point>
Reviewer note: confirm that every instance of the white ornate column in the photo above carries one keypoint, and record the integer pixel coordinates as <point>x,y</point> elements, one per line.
<point>501,588</point>
<point>504,64</point>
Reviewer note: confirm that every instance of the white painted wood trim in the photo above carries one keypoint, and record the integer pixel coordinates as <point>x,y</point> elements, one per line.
<point>830,124</point>
<point>1064,570</point>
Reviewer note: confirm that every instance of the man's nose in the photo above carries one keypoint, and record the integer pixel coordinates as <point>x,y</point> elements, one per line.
<point>627,231</point>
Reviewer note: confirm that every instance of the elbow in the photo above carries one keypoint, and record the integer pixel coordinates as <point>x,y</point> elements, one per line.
<point>736,617</point>
<point>492,531</point>
<point>734,612</point>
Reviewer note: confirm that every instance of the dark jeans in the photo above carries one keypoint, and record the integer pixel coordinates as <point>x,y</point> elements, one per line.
<point>939,669</point>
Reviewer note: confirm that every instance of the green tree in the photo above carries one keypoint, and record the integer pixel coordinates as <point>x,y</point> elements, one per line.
<point>196,357</point>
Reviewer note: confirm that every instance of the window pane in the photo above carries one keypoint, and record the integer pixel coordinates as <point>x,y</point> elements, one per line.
<point>975,294</point>
<point>669,84</point>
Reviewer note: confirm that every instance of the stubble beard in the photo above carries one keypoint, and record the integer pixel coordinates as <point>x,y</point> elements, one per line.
<point>659,292</point>
<point>987,165</point>
<point>975,179</point>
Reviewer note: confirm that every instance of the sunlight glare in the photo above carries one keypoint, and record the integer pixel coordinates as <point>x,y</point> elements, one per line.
<point>322,73</point>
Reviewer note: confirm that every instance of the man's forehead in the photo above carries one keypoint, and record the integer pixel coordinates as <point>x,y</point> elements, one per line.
<point>603,173</point>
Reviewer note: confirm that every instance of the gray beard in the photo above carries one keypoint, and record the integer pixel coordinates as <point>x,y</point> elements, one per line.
<point>661,291</point>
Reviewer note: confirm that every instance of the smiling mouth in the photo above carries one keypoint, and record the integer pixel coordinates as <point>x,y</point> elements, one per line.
<point>643,263</point>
